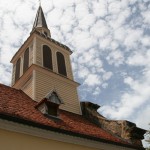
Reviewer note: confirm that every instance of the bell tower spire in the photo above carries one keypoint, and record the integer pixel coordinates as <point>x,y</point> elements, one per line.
<point>40,22</point>
<point>42,65</point>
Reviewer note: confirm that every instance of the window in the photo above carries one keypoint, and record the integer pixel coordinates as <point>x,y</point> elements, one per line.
<point>47,57</point>
<point>61,64</point>
<point>26,60</point>
<point>53,109</point>
<point>49,106</point>
<point>17,73</point>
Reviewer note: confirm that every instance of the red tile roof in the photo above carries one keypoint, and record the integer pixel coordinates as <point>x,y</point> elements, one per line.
<point>16,103</point>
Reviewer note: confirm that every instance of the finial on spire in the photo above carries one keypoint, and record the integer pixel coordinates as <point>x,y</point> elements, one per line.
<point>39,2</point>
<point>40,22</point>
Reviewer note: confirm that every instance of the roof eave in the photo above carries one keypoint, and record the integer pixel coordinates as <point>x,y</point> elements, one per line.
<point>45,127</point>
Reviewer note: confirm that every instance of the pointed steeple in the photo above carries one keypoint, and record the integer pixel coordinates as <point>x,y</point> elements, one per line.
<point>40,19</point>
<point>40,22</point>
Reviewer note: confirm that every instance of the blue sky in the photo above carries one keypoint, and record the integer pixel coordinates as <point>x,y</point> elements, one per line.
<point>111,44</point>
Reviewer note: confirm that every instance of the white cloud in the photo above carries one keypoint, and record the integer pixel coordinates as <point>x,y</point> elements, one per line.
<point>142,119</point>
<point>120,34</point>
<point>133,37</point>
<point>83,73</point>
<point>118,20</point>
<point>97,91</point>
<point>145,41</point>
<point>114,7</point>
<point>100,29</point>
<point>105,42</point>
<point>54,17</point>
<point>21,15</point>
<point>5,75</point>
<point>60,3</point>
<point>92,80</point>
<point>107,75</point>
<point>139,59</point>
<point>100,9</point>
<point>81,7</point>
<point>104,85</point>
<point>83,39</point>
<point>146,16</point>
<point>131,101</point>
<point>115,57</point>
<point>87,21</point>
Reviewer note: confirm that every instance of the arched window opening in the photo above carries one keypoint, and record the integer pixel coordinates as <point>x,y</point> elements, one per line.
<point>17,73</point>
<point>47,57</point>
<point>26,60</point>
<point>61,64</point>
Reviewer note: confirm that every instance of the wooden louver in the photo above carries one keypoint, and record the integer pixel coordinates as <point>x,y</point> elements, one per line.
<point>17,73</point>
<point>47,57</point>
<point>26,60</point>
<point>61,64</point>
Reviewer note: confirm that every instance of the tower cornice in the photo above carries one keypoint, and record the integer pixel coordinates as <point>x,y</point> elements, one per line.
<point>29,72</point>
<point>44,37</point>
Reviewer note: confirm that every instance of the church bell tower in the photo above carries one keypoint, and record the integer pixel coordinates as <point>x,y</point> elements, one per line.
<point>42,65</point>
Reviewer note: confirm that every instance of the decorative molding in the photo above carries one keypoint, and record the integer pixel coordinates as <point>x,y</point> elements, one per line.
<point>49,42</point>
<point>47,134</point>
<point>34,50</point>
<point>34,86</point>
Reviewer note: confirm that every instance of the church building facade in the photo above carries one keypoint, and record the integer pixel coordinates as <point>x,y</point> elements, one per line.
<point>41,109</point>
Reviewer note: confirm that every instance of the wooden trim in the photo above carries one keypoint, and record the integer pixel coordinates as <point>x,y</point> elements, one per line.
<point>52,44</point>
<point>41,51</point>
<point>34,86</point>
<point>34,50</point>
<point>32,68</point>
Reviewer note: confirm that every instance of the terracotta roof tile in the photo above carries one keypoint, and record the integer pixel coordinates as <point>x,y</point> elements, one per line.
<point>16,103</point>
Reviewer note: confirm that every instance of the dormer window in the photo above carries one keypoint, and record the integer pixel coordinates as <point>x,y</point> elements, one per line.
<point>49,106</point>
<point>52,109</point>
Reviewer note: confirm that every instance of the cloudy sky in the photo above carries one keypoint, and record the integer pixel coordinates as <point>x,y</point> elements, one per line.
<point>111,44</point>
